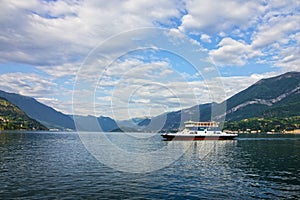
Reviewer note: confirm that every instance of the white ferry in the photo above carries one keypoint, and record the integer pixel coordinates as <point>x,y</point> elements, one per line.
<point>200,131</point>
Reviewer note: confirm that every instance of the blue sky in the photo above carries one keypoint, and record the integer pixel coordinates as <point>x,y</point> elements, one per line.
<point>48,47</point>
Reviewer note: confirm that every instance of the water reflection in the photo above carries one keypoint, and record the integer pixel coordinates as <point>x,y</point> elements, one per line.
<point>256,168</point>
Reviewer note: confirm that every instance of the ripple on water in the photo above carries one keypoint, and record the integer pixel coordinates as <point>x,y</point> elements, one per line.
<point>57,166</point>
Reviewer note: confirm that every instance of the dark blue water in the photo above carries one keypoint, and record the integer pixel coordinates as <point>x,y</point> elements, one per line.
<point>58,166</point>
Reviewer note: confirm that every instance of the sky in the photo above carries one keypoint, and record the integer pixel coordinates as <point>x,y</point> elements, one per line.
<point>137,58</point>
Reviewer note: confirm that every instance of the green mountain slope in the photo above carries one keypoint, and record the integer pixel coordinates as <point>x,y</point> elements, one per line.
<point>12,118</point>
<point>264,125</point>
<point>267,88</point>
<point>272,97</point>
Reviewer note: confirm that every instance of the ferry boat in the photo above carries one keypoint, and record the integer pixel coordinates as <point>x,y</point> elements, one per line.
<point>200,131</point>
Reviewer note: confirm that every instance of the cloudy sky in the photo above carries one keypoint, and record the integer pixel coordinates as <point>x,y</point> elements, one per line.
<point>141,58</point>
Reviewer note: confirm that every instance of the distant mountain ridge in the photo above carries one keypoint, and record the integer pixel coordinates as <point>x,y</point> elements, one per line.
<point>13,118</point>
<point>40,112</point>
<point>92,123</point>
<point>52,118</point>
<point>271,97</point>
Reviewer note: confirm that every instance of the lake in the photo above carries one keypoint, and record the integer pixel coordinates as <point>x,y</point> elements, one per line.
<point>44,165</point>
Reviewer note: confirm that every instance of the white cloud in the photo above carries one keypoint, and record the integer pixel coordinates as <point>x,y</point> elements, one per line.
<point>232,52</point>
<point>28,84</point>
<point>205,38</point>
<point>276,30</point>
<point>57,104</point>
<point>274,42</point>
<point>56,32</point>
<point>278,36</point>
<point>259,30</point>
<point>59,71</point>
<point>214,16</point>
<point>289,59</point>
<point>138,88</point>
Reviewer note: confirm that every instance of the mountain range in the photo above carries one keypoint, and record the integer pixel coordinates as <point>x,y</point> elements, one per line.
<point>40,112</point>
<point>272,97</point>
<point>50,117</point>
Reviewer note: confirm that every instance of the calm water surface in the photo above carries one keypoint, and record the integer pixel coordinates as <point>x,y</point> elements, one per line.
<point>58,166</point>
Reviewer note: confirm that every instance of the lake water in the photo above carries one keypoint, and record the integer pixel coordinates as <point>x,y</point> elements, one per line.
<point>43,165</point>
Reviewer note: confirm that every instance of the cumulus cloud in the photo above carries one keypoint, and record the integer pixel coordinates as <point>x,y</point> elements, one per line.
<point>278,37</point>
<point>276,30</point>
<point>56,32</point>
<point>263,31</point>
<point>232,52</point>
<point>214,16</point>
<point>289,59</point>
<point>205,38</point>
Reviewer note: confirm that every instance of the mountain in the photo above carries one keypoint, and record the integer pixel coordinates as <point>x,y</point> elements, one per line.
<point>107,123</point>
<point>133,122</point>
<point>144,122</point>
<point>12,118</point>
<point>54,119</point>
<point>277,96</point>
<point>273,97</point>
<point>40,112</point>
<point>132,125</point>
<point>92,123</point>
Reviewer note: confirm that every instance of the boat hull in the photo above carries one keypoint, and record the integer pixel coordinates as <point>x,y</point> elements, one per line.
<point>197,137</point>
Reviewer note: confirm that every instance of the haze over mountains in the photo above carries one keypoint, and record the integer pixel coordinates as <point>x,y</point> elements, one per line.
<point>273,97</point>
